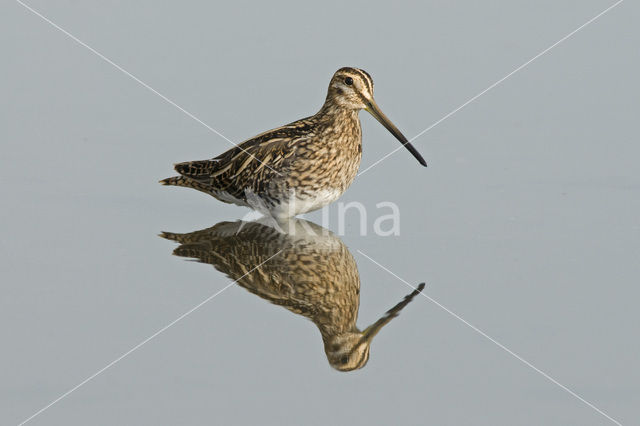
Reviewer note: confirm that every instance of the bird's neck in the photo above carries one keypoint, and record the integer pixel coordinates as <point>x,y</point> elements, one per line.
<point>334,110</point>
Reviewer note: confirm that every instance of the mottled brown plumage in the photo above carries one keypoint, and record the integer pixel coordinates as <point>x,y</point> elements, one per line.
<point>307,270</point>
<point>298,167</point>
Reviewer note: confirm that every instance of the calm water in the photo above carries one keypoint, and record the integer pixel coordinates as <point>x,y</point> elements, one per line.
<point>526,224</point>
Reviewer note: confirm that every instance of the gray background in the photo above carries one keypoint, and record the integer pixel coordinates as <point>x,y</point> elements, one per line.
<point>526,223</point>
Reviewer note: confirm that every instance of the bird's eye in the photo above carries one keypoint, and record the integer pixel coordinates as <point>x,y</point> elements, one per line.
<point>349,81</point>
<point>344,359</point>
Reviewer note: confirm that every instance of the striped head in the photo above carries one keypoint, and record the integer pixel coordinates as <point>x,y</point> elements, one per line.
<point>352,89</point>
<point>348,351</point>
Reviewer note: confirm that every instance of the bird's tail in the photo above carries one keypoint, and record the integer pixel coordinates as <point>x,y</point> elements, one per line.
<point>186,182</point>
<point>174,181</point>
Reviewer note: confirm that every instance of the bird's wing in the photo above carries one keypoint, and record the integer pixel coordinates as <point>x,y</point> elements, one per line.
<point>264,153</point>
<point>257,257</point>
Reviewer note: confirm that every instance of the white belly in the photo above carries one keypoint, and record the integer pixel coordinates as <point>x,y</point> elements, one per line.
<point>294,204</point>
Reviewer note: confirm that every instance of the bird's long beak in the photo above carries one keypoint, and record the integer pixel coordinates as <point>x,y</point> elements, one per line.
<point>369,333</point>
<point>373,109</point>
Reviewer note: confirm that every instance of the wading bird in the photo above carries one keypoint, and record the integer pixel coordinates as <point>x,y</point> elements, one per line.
<point>301,166</point>
<point>307,270</point>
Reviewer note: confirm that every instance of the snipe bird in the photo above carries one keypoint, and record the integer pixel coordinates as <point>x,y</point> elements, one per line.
<point>301,166</point>
<point>312,274</point>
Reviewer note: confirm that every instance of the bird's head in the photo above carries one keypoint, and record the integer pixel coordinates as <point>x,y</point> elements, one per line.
<point>347,351</point>
<point>352,89</point>
<point>350,350</point>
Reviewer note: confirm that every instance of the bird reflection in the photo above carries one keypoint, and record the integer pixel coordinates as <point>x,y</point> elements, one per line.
<point>297,265</point>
